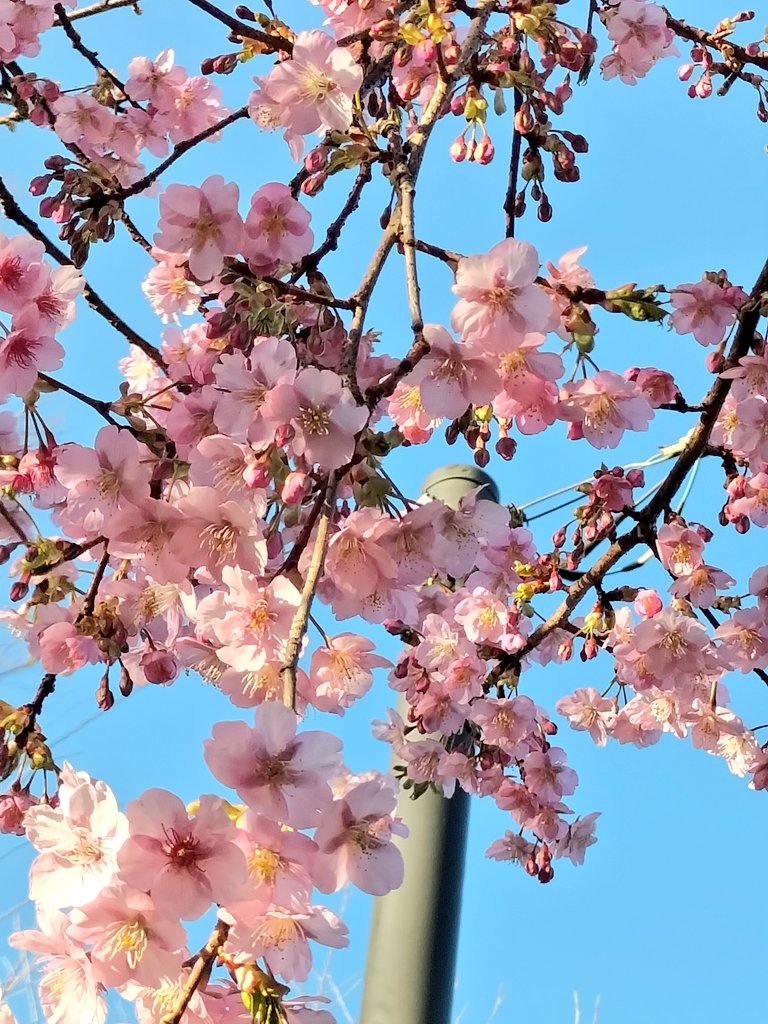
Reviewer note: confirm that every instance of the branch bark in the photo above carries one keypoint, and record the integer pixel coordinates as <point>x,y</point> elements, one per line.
<point>301,618</point>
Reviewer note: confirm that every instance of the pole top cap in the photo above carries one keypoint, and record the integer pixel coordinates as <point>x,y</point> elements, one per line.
<point>450,483</point>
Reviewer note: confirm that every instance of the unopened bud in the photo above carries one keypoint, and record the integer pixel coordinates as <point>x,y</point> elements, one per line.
<point>104,696</point>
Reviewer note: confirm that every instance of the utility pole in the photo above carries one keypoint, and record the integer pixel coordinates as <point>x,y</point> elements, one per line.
<point>411,964</point>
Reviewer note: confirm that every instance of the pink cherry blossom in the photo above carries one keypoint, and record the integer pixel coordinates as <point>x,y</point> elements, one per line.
<point>704,309</point>
<point>63,649</point>
<point>276,228</point>
<point>355,838</point>
<point>279,773</point>
<point>342,671</point>
<point>79,840</point>
<point>131,939</point>
<point>185,863</point>
<point>547,776</point>
<point>680,548</point>
<point>280,935</point>
<point>587,710</point>
<point>23,272</point>
<point>323,414</point>
<point>69,992</point>
<point>313,90</point>
<point>170,290</point>
<point>453,376</point>
<point>604,405</point>
<point>24,350</point>
<point>499,303</point>
<point>201,223</point>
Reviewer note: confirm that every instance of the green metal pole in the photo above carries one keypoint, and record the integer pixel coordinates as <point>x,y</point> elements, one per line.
<point>411,964</point>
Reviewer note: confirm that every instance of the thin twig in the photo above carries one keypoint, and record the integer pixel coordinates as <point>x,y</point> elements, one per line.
<point>201,971</point>
<point>44,690</point>
<point>514,170</point>
<point>734,55</point>
<point>89,601</point>
<point>101,407</point>
<point>331,241</point>
<point>99,8</point>
<point>90,55</point>
<point>242,30</point>
<point>301,618</point>
<point>179,150</point>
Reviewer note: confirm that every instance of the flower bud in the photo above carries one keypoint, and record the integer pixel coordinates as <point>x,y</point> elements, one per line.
<point>126,683</point>
<point>294,487</point>
<point>159,667</point>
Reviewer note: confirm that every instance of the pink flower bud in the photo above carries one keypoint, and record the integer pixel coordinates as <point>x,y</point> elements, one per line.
<point>703,88</point>
<point>506,448</point>
<point>715,361</point>
<point>458,150</point>
<point>312,185</point>
<point>648,603</point>
<point>685,71</point>
<point>636,477</point>
<point>13,807</point>
<point>159,667</point>
<point>294,488</point>
<point>316,159</point>
<point>284,434</point>
<point>484,151</point>
<point>256,475</point>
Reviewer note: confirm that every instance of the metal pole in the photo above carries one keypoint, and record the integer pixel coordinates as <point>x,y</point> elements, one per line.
<point>411,964</point>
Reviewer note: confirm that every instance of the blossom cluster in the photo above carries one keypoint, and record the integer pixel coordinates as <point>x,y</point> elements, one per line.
<point>239,479</point>
<point>111,889</point>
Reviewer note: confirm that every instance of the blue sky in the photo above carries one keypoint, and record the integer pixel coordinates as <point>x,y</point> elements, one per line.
<point>664,920</point>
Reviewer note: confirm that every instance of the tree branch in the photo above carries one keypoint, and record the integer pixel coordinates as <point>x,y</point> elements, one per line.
<point>712,404</point>
<point>99,8</point>
<point>201,971</point>
<point>301,618</point>
<point>179,151</point>
<point>99,406</point>
<point>734,55</point>
<point>90,55</point>
<point>243,31</point>
<point>331,241</point>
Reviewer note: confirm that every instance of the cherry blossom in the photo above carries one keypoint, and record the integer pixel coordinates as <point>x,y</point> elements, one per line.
<point>201,224</point>
<point>284,775</point>
<point>184,863</point>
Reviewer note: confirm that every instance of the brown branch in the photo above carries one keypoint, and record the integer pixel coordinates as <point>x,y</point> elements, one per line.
<point>301,618</point>
<point>749,316</point>
<point>735,56</point>
<point>410,361</point>
<point>331,241</point>
<point>243,31</point>
<point>291,562</point>
<point>99,406</point>
<point>13,212</point>
<point>90,55</point>
<point>305,295</point>
<point>135,234</point>
<point>514,170</point>
<point>445,255</point>
<point>89,601</point>
<point>44,690</point>
<point>179,151</point>
<point>201,971</point>
<point>417,142</point>
<point>99,8</point>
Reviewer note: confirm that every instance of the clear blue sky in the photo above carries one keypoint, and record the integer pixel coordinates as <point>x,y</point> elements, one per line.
<point>664,921</point>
